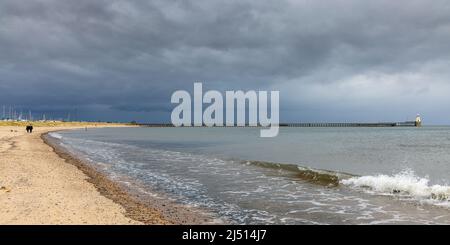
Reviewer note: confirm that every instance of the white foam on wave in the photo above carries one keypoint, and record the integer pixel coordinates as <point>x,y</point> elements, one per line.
<point>404,183</point>
<point>55,135</point>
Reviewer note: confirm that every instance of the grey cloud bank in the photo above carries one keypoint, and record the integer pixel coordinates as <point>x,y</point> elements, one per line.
<point>330,60</point>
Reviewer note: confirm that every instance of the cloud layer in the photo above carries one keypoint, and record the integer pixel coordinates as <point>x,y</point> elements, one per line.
<point>331,60</point>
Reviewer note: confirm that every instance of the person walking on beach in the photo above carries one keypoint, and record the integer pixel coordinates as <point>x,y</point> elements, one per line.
<point>29,129</point>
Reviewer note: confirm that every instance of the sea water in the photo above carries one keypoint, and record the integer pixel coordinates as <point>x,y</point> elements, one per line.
<point>303,176</point>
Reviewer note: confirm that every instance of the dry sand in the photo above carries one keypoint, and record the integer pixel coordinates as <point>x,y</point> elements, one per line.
<point>39,187</point>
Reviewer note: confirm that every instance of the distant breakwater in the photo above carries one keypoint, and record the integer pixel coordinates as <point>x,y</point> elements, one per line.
<point>316,124</point>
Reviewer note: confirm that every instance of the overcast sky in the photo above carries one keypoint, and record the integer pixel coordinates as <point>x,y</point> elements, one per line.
<point>338,60</point>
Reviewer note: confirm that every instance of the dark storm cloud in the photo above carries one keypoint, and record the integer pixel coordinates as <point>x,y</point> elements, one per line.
<point>331,60</point>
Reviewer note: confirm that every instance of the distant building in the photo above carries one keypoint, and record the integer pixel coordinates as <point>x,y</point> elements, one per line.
<point>418,121</point>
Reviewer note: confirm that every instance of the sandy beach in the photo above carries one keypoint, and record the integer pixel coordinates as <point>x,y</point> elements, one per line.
<point>37,186</point>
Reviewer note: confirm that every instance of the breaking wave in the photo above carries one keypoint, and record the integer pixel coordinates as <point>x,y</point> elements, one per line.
<point>317,176</point>
<point>404,184</point>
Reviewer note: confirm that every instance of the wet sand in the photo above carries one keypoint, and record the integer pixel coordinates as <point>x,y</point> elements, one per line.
<point>42,184</point>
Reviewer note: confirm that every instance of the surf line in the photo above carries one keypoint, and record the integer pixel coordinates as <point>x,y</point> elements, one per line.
<point>213,115</point>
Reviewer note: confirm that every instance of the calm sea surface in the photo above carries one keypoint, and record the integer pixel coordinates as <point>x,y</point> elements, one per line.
<point>303,176</point>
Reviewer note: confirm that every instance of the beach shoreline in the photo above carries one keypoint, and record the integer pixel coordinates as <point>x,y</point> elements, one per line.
<point>143,209</point>
<point>42,183</point>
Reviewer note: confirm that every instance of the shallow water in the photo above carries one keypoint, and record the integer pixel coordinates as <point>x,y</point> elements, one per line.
<point>373,175</point>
